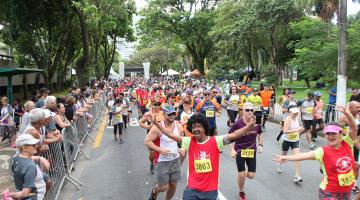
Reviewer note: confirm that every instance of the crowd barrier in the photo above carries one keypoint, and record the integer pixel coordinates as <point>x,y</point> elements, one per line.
<point>277,113</point>
<point>62,155</point>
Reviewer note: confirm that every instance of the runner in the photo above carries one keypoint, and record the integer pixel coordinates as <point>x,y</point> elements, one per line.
<point>184,115</point>
<point>208,108</point>
<point>336,159</point>
<point>142,98</point>
<point>318,115</point>
<point>167,163</point>
<point>232,101</point>
<point>291,139</point>
<point>307,111</point>
<point>255,99</point>
<point>146,124</point>
<point>288,100</point>
<point>265,95</point>
<point>245,148</point>
<point>117,120</point>
<point>203,153</point>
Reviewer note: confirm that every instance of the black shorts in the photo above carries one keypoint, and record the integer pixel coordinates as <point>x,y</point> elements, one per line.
<point>286,145</point>
<point>258,116</point>
<point>143,110</point>
<point>307,124</point>
<point>318,121</point>
<point>356,154</point>
<point>250,162</point>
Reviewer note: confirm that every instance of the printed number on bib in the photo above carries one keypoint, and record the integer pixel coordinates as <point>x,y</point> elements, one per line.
<point>309,110</point>
<point>247,153</point>
<point>210,113</point>
<point>294,136</point>
<point>118,117</point>
<point>234,101</point>
<point>346,179</point>
<point>202,166</point>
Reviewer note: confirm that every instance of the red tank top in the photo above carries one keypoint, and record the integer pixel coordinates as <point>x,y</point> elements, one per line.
<point>203,165</point>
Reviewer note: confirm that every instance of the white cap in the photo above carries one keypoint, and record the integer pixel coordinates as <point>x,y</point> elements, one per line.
<point>36,114</point>
<point>294,110</point>
<point>26,139</point>
<point>248,105</point>
<point>48,113</point>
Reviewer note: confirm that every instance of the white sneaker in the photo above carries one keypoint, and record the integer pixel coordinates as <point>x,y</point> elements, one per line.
<point>298,179</point>
<point>312,146</point>
<point>279,168</point>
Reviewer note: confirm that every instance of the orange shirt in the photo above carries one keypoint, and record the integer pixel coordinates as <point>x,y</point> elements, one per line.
<point>265,98</point>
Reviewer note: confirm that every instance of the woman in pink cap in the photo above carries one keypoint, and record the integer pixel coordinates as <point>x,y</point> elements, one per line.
<point>336,159</point>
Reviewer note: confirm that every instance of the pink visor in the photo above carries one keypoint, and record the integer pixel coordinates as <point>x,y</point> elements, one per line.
<point>332,129</point>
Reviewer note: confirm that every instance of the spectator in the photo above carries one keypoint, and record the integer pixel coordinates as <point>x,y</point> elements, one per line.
<point>29,179</point>
<point>330,107</point>
<point>60,118</point>
<point>355,95</point>
<point>18,111</point>
<point>29,105</point>
<point>7,125</point>
<point>109,103</point>
<point>43,93</point>
<point>51,134</point>
<point>70,108</point>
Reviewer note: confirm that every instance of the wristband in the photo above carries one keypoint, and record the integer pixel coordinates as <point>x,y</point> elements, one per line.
<point>261,145</point>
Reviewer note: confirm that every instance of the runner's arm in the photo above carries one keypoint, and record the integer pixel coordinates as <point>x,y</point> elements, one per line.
<point>167,132</point>
<point>241,132</point>
<point>151,137</point>
<point>142,122</point>
<point>297,157</point>
<point>351,120</point>
<point>261,140</point>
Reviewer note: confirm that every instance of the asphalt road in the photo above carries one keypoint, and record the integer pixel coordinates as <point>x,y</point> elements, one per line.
<point>121,171</point>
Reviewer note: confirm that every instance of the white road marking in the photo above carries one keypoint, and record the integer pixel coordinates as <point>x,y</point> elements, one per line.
<point>221,196</point>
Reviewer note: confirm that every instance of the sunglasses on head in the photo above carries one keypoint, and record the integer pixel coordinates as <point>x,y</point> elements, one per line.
<point>249,110</point>
<point>171,114</point>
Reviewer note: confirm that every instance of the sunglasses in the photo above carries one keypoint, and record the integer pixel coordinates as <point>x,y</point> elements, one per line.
<point>206,94</point>
<point>157,104</point>
<point>171,114</point>
<point>214,92</point>
<point>249,110</point>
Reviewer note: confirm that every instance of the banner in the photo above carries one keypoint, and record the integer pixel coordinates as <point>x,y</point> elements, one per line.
<point>121,70</point>
<point>146,70</point>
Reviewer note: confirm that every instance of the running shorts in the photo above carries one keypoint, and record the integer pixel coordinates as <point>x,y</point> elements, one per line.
<point>168,171</point>
<point>307,124</point>
<point>250,162</point>
<point>191,194</point>
<point>286,145</point>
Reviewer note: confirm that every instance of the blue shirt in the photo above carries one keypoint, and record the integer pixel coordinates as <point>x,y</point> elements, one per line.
<point>209,111</point>
<point>332,98</point>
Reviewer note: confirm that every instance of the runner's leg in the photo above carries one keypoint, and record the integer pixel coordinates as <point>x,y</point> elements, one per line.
<point>171,191</point>
<point>115,131</point>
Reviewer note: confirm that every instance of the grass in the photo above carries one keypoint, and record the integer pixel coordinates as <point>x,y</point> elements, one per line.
<point>64,92</point>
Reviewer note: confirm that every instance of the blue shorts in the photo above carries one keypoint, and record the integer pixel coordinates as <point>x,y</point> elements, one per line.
<point>191,194</point>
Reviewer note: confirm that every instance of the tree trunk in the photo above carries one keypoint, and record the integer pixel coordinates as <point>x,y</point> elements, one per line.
<point>307,82</point>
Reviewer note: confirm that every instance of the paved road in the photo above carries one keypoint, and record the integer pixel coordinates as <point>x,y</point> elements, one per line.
<point>120,171</point>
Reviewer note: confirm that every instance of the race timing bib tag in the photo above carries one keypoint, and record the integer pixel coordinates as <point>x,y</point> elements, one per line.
<point>247,153</point>
<point>346,179</point>
<point>310,110</point>
<point>210,113</point>
<point>294,136</point>
<point>202,166</point>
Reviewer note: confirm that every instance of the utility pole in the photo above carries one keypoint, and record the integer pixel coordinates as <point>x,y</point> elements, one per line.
<point>341,71</point>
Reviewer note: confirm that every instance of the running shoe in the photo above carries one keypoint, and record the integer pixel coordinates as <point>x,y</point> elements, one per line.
<point>121,141</point>
<point>242,195</point>
<point>279,168</point>
<point>297,179</point>
<point>152,195</point>
<point>312,146</point>
<point>152,169</point>
<point>313,139</point>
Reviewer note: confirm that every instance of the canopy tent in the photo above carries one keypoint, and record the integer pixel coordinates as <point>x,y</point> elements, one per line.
<point>9,72</point>
<point>113,74</point>
<point>170,72</point>
<point>187,73</point>
<point>195,73</point>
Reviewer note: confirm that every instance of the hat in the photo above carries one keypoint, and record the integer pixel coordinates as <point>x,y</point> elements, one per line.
<point>36,114</point>
<point>331,128</point>
<point>48,113</point>
<point>294,109</point>
<point>168,109</point>
<point>26,139</point>
<point>317,94</point>
<point>44,90</point>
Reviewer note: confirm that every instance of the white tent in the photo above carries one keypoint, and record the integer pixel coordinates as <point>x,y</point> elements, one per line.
<point>170,72</point>
<point>113,74</point>
<point>187,73</point>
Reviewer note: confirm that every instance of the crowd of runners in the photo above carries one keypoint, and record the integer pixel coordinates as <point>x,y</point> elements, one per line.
<point>179,118</point>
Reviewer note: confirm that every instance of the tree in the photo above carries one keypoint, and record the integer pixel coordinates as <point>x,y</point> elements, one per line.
<point>188,21</point>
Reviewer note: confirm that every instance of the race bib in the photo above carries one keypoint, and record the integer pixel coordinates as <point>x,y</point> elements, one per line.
<point>294,136</point>
<point>234,101</point>
<point>247,153</point>
<point>266,108</point>
<point>202,166</point>
<point>346,179</point>
<point>310,110</point>
<point>118,117</point>
<point>210,113</point>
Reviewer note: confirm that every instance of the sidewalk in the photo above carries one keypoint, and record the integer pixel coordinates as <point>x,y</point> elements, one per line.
<point>6,153</point>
